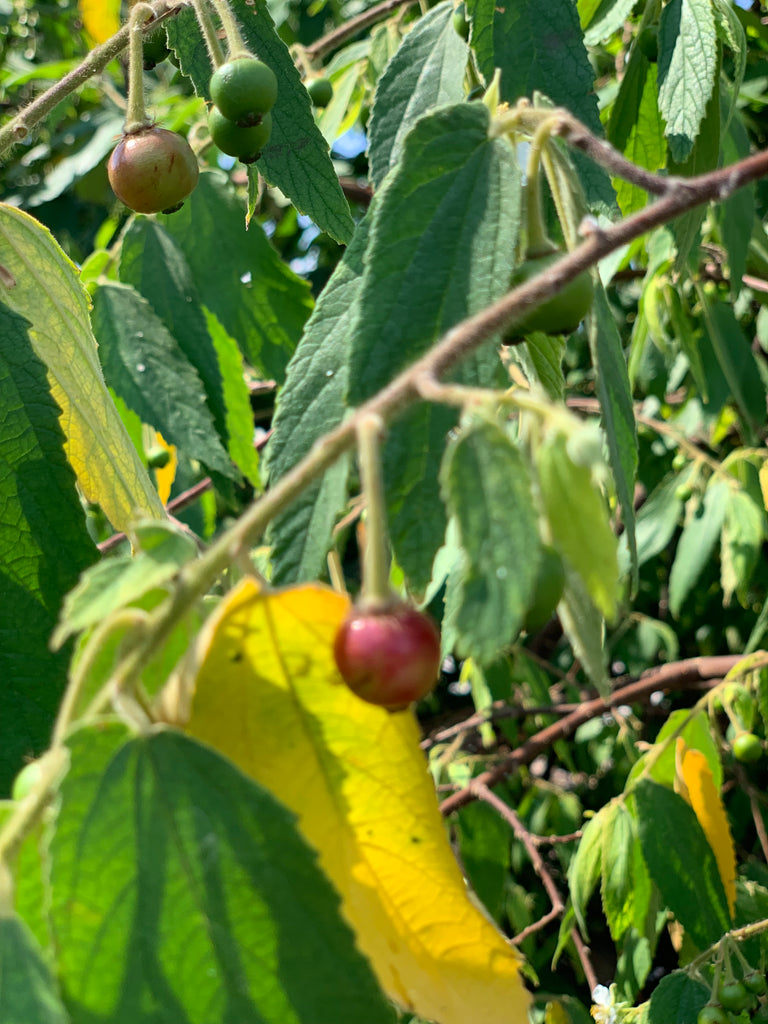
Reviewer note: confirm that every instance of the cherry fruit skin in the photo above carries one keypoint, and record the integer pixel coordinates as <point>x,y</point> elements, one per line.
<point>710,1014</point>
<point>245,143</point>
<point>152,170</point>
<point>320,92</point>
<point>243,89</point>
<point>388,657</point>
<point>561,314</point>
<point>733,996</point>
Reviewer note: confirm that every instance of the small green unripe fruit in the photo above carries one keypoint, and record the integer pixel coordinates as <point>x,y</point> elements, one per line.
<point>244,89</point>
<point>26,780</point>
<point>683,492</point>
<point>152,170</point>
<point>755,983</point>
<point>158,457</point>
<point>732,995</point>
<point>245,143</point>
<point>550,582</point>
<point>712,1015</point>
<point>460,23</point>
<point>320,92</point>
<point>561,314</point>
<point>747,748</point>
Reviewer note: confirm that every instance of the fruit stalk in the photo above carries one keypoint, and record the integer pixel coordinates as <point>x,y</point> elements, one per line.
<point>207,27</point>
<point>235,43</point>
<point>375,591</point>
<point>136,117</point>
<point>538,242</point>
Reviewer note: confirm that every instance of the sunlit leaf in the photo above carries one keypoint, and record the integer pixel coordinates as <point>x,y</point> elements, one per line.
<point>101,18</point>
<point>268,694</point>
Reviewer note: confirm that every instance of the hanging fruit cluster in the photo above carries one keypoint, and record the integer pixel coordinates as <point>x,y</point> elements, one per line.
<point>243,91</point>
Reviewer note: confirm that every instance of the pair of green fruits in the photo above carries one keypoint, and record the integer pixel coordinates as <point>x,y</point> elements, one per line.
<point>153,170</point>
<point>734,997</point>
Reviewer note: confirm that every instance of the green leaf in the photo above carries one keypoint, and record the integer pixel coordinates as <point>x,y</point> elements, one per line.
<point>608,17</point>
<point>585,869</point>
<point>441,247</point>
<point>687,70</point>
<point>697,541</point>
<point>427,71</point>
<point>539,47</point>
<point>27,988</point>
<point>45,290</point>
<point>485,853</point>
<point>731,32</point>
<point>617,411</point>
<point>681,862</point>
<point>656,522</point>
<point>741,543</point>
<point>677,999</point>
<point>737,213</point>
<point>311,403</point>
<point>696,731</point>
<point>41,517</point>
<point>116,582</point>
<point>583,626</point>
<point>617,883</point>
<point>579,522</point>
<point>154,264</point>
<point>145,366</point>
<point>257,298</point>
<point>483,472</point>
<point>182,889</point>
<point>636,127</point>
<point>296,159</point>
<point>541,358</point>
<point>702,158</point>
<point>737,361</point>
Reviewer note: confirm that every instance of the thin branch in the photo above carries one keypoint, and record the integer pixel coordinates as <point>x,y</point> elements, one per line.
<point>674,676</point>
<point>19,127</point>
<point>195,578</point>
<point>350,28</point>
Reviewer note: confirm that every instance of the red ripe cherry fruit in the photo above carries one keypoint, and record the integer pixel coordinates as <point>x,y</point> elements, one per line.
<point>390,656</point>
<point>152,170</point>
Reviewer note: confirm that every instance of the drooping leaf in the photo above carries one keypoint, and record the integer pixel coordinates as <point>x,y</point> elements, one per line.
<point>584,627</point>
<point>617,412</point>
<point>369,808</point>
<point>687,70</point>
<point>697,541</point>
<point>656,523</point>
<point>695,730</point>
<point>483,472</point>
<point>681,862</point>
<point>296,158</point>
<point>736,360</point>
<point>27,987</point>
<point>579,522</point>
<point>585,869</point>
<point>741,543</point>
<point>41,285</point>
<point>637,128</point>
<point>699,790</point>
<point>145,366</point>
<point>427,71</point>
<point>256,297</point>
<point>607,17</point>
<point>617,882</point>
<point>227,915</point>
<point>41,516</point>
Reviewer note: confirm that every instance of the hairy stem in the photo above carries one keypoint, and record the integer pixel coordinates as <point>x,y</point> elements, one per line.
<point>207,27</point>
<point>136,115</point>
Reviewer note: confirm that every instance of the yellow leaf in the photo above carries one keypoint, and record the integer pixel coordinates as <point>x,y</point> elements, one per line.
<point>101,18</point>
<point>268,695</point>
<point>41,284</point>
<point>165,475</point>
<point>697,787</point>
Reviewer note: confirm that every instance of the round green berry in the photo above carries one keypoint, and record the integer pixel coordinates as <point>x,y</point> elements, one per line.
<point>320,92</point>
<point>244,89</point>
<point>732,995</point>
<point>245,143</point>
<point>712,1015</point>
